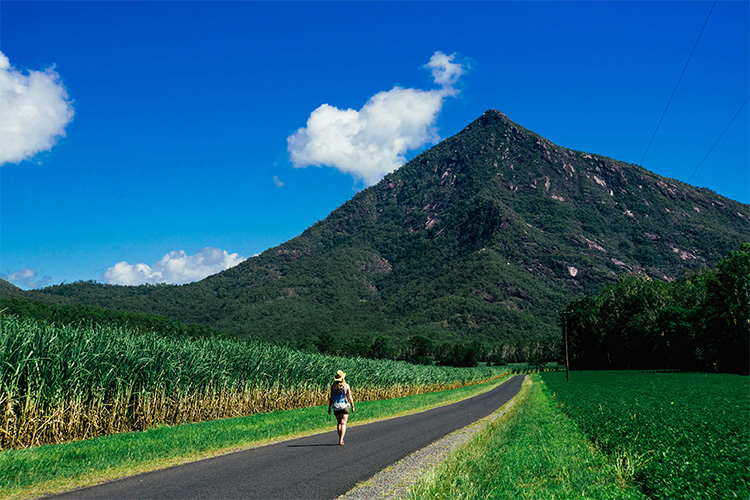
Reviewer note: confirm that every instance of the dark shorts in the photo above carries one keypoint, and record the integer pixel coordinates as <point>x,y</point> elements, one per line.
<point>345,411</point>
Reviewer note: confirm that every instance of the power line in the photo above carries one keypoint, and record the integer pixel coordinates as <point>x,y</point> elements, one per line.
<point>678,81</point>
<point>717,140</point>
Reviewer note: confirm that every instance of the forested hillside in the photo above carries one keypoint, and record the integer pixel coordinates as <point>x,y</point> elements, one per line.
<point>485,236</point>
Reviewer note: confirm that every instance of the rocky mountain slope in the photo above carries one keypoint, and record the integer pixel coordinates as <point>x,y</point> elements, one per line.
<point>486,235</point>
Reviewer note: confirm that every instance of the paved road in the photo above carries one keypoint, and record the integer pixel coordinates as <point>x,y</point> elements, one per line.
<point>307,468</point>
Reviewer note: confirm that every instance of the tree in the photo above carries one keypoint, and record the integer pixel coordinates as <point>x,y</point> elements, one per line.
<point>465,355</point>
<point>356,347</point>
<point>419,350</point>
<point>327,343</point>
<point>380,348</point>
<point>727,312</point>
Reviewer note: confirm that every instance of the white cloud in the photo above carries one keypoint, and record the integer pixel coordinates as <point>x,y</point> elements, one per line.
<point>26,278</point>
<point>277,182</point>
<point>175,268</point>
<point>34,110</point>
<point>444,71</point>
<point>373,141</point>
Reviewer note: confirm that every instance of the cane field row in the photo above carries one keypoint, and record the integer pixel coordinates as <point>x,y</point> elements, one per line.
<point>532,452</point>
<point>39,470</point>
<point>60,383</point>
<point>679,435</point>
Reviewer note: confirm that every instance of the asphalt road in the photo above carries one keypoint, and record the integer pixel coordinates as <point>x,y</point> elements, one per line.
<point>307,468</point>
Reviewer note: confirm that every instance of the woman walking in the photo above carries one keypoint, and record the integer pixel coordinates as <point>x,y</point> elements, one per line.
<point>340,400</point>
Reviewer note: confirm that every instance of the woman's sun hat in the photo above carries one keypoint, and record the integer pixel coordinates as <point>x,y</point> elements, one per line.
<point>339,376</point>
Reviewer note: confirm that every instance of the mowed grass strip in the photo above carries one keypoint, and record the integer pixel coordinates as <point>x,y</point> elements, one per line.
<point>54,468</point>
<point>533,452</point>
<point>679,435</point>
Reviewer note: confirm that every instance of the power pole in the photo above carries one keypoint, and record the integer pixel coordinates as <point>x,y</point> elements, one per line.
<point>565,334</point>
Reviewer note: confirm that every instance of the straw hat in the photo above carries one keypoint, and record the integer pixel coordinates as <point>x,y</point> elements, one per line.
<point>339,376</point>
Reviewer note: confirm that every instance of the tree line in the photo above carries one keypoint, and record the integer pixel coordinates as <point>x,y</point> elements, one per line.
<point>422,350</point>
<point>699,323</point>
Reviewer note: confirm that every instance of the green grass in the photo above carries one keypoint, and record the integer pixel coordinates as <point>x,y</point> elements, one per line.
<point>49,468</point>
<point>682,435</point>
<point>534,452</point>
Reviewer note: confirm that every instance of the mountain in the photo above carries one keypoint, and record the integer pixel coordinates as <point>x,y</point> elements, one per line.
<point>484,236</point>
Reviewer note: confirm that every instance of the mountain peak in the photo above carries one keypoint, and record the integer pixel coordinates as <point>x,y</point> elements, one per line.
<point>491,118</point>
<point>497,126</point>
<point>494,114</point>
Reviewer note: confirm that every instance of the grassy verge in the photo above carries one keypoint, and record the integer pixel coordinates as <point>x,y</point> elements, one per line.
<point>533,452</point>
<point>53,468</point>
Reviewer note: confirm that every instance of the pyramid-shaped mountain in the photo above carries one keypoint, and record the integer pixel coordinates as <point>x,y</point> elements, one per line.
<point>486,235</point>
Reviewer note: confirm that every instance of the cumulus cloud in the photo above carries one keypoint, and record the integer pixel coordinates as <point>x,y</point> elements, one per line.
<point>277,182</point>
<point>34,110</point>
<point>26,278</point>
<point>175,268</point>
<point>373,141</point>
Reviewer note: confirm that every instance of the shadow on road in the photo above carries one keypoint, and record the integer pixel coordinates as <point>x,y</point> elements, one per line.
<point>308,445</point>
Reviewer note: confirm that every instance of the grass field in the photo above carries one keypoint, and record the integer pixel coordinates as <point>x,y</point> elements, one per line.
<point>35,471</point>
<point>62,382</point>
<point>534,452</point>
<point>679,435</point>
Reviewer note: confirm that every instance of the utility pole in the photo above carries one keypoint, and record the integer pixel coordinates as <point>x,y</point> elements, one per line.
<point>567,359</point>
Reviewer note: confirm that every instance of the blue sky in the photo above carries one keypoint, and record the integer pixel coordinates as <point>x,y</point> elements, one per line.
<point>177,116</point>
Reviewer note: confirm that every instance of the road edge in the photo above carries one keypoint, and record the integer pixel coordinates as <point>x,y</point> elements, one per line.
<point>395,480</point>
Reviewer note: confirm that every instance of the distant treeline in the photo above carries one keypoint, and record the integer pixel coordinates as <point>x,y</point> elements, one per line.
<point>422,350</point>
<point>700,322</point>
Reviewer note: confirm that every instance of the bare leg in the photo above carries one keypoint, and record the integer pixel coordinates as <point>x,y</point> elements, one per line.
<point>342,426</point>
